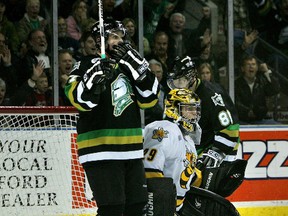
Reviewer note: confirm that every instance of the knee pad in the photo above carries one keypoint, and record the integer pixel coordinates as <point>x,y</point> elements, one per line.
<point>161,197</point>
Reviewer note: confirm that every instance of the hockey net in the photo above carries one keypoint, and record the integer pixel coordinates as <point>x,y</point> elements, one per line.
<point>39,169</point>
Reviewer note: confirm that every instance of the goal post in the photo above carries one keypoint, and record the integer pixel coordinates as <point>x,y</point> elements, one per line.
<point>39,169</point>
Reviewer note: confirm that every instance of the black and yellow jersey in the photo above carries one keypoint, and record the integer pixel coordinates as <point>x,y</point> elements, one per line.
<point>109,125</point>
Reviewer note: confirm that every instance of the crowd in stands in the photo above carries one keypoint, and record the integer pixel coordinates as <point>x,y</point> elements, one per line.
<point>26,76</point>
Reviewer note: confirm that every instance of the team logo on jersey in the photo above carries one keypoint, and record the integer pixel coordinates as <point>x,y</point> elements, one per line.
<point>189,164</point>
<point>76,66</point>
<point>218,100</point>
<point>121,94</point>
<point>160,134</point>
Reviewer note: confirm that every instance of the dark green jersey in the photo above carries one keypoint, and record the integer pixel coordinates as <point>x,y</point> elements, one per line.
<point>219,118</point>
<point>109,125</point>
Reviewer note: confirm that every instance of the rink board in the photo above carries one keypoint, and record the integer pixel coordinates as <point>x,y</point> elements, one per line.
<point>56,167</point>
<point>264,191</point>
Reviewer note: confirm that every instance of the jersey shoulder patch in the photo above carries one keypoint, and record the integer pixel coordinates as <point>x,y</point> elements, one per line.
<point>160,130</point>
<point>160,133</point>
<point>217,100</point>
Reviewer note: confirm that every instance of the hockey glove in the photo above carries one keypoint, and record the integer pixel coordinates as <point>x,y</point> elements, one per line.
<point>125,55</point>
<point>212,158</point>
<point>96,76</point>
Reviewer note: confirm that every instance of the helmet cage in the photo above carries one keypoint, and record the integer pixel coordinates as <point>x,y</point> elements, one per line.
<point>176,102</point>
<point>192,107</point>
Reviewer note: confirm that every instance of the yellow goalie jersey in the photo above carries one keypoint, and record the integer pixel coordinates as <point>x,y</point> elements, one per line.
<point>169,153</point>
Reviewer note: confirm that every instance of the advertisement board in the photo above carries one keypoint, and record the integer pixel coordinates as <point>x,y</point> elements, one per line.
<point>40,173</point>
<point>264,190</point>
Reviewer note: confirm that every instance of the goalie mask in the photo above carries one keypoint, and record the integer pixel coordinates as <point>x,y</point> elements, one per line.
<point>182,106</point>
<point>183,73</point>
<point>110,27</point>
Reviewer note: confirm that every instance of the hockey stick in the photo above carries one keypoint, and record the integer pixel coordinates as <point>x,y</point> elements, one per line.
<point>101,22</point>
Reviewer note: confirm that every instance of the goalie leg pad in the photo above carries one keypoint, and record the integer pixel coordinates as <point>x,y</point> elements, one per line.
<point>224,180</point>
<point>161,197</point>
<point>201,202</point>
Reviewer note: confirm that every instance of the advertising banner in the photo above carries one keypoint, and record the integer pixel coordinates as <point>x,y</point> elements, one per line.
<point>264,190</point>
<point>40,173</point>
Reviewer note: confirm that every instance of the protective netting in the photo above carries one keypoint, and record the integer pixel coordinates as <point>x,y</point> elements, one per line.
<point>39,169</point>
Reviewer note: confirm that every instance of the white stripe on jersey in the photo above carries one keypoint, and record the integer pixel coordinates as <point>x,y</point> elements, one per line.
<point>224,141</point>
<point>111,156</point>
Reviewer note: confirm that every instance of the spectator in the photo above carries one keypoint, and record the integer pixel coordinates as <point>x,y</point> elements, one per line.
<point>87,46</point>
<point>41,95</point>
<point>78,21</point>
<point>146,47</point>
<point>65,41</point>
<point>160,53</point>
<point>36,90</point>
<point>244,45</point>
<point>205,22</point>
<point>65,61</point>
<point>206,56</point>
<point>200,37</point>
<point>130,25</point>
<point>152,11</point>
<point>251,90</point>
<point>178,35</point>
<point>37,50</point>
<point>7,69</point>
<point>25,90</point>
<point>32,21</point>
<point>246,29</point>
<point>8,28</point>
<point>206,74</point>
<point>156,112</point>
<point>4,101</point>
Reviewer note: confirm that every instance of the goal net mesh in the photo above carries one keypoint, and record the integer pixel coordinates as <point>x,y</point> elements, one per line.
<point>39,169</point>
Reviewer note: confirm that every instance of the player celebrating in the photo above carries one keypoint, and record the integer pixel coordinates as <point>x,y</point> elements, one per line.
<point>169,149</point>
<point>109,94</point>
<point>220,130</point>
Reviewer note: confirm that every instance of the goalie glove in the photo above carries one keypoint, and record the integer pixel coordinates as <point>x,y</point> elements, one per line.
<point>97,75</point>
<point>212,158</point>
<point>125,55</point>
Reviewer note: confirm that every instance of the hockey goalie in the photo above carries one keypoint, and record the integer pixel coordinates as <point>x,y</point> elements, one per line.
<point>173,179</point>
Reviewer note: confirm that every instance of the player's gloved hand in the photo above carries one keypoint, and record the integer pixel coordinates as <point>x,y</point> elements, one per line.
<point>212,158</point>
<point>127,56</point>
<point>96,76</point>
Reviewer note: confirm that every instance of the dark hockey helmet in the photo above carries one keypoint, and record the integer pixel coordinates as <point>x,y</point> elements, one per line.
<point>183,73</point>
<point>110,26</point>
<point>183,107</point>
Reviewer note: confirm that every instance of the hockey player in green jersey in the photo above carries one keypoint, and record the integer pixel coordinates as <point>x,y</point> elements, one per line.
<point>109,94</point>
